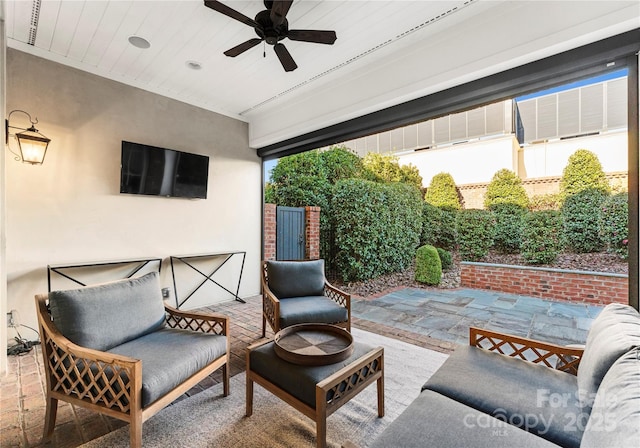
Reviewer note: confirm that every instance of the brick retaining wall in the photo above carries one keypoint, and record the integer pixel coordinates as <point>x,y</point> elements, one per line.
<point>553,284</point>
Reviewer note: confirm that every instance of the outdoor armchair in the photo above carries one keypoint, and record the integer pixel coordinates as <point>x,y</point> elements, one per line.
<point>119,350</point>
<point>295,292</point>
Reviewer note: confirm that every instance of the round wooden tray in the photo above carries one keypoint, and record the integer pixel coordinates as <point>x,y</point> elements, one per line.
<point>313,344</point>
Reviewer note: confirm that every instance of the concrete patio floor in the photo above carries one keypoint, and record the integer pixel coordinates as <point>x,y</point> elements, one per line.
<point>447,314</point>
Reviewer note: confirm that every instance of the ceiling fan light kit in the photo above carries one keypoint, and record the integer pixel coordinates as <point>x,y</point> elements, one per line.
<point>271,26</point>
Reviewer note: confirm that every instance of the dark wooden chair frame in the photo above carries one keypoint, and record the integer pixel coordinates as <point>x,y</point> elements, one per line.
<point>271,303</point>
<point>112,384</point>
<point>368,368</point>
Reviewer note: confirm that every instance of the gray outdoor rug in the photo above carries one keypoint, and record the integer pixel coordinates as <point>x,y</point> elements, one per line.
<point>210,420</point>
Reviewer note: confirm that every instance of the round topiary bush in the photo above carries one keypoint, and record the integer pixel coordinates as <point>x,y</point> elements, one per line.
<point>442,192</point>
<point>613,224</point>
<point>428,265</point>
<point>507,235</point>
<point>505,188</point>
<point>583,172</point>
<point>580,229</point>
<point>475,230</point>
<point>541,236</point>
<point>445,258</point>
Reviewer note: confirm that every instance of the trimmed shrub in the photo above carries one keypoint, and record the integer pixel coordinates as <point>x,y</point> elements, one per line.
<point>583,172</point>
<point>551,201</point>
<point>613,224</point>
<point>541,236</point>
<point>428,265</point>
<point>438,226</point>
<point>475,230</point>
<point>505,188</point>
<point>507,236</point>
<point>580,230</point>
<point>445,258</point>
<point>377,227</point>
<point>442,192</point>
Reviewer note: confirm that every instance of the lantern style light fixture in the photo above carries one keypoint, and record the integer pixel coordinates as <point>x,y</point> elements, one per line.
<point>33,145</point>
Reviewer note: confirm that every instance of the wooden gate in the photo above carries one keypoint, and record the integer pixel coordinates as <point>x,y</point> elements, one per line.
<point>290,236</point>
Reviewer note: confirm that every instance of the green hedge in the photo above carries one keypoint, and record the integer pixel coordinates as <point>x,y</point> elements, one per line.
<point>428,265</point>
<point>507,236</point>
<point>446,260</point>
<point>613,224</point>
<point>376,227</point>
<point>541,241</point>
<point>580,228</point>
<point>475,229</point>
<point>438,226</point>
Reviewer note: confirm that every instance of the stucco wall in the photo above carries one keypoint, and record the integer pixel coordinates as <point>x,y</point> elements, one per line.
<point>70,209</point>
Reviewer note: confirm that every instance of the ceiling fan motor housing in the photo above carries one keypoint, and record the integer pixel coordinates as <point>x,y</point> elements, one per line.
<point>267,31</point>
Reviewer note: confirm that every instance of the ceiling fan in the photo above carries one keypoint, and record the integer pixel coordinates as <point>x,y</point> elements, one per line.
<point>271,26</point>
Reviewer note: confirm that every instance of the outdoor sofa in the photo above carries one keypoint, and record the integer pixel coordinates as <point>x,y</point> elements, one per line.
<point>118,349</point>
<point>506,391</point>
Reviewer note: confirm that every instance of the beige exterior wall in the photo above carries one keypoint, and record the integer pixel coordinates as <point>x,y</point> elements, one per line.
<point>70,209</point>
<point>540,166</point>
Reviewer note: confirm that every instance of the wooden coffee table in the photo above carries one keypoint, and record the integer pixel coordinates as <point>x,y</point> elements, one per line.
<point>315,390</point>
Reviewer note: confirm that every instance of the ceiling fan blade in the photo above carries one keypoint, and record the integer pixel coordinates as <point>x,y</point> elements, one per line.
<point>224,9</point>
<point>239,49</point>
<point>315,36</point>
<point>285,58</point>
<point>279,11</point>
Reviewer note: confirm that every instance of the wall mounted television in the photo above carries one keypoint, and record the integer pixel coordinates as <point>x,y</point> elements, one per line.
<point>154,171</point>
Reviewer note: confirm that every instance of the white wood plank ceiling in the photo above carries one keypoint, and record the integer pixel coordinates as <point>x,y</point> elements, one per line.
<point>92,35</point>
<point>387,51</point>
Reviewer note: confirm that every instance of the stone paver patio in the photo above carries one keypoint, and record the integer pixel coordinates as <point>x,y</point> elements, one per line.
<point>447,314</point>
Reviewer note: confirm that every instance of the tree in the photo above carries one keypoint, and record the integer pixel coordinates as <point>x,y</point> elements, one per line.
<point>386,168</point>
<point>505,188</point>
<point>442,192</point>
<point>583,172</point>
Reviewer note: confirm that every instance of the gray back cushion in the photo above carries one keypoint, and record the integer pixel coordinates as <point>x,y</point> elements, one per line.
<point>104,316</point>
<point>614,332</point>
<point>296,278</point>
<point>615,417</point>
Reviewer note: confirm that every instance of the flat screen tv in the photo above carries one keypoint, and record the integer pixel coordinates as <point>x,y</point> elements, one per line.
<point>154,171</point>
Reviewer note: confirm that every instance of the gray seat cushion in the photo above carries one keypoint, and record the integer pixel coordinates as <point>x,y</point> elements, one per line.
<point>104,316</point>
<point>614,332</point>
<point>296,278</point>
<point>310,309</point>
<point>299,381</point>
<point>533,397</point>
<point>433,420</point>
<point>169,357</point>
<point>615,418</point>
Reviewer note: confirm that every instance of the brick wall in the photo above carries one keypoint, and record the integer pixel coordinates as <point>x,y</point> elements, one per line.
<point>269,231</point>
<point>552,284</point>
<point>312,233</point>
<point>473,194</point>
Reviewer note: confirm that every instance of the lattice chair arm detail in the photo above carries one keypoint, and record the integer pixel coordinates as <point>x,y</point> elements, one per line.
<point>197,321</point>
<point>270,306</point>
<point>558,357</point>
<point>347,382</point>
<point>106,380</point>
<point>337,295</point>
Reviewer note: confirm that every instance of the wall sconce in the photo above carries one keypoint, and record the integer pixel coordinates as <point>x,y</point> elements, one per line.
<point>33,145</point>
